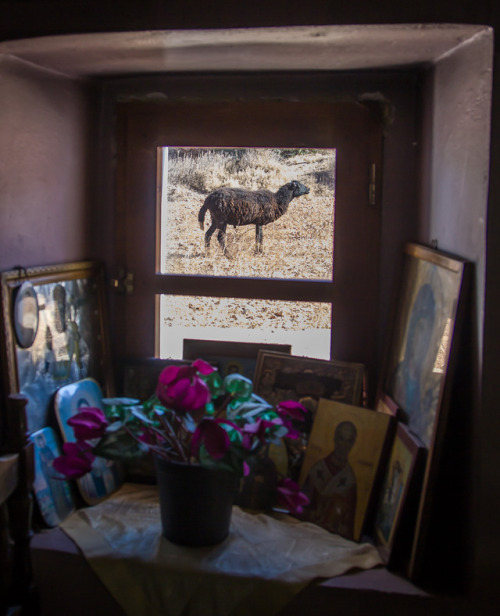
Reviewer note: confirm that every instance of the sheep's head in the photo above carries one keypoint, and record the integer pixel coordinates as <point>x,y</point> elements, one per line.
<point>297,188</point>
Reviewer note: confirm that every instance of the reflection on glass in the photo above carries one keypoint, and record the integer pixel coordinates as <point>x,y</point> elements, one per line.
<point>298,244</point>
<point>443,349</point>
<point>304,325</point>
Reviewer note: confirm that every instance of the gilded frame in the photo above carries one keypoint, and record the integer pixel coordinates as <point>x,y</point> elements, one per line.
<point>231,356</point>
<point>420,360</point>
<point>71,341</point>
<point>346,447</point>
<point>279,376</point>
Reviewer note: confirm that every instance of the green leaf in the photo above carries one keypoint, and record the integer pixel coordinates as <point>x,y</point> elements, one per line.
<point>139,414</point>
<point>119,445</point>
<point>215,383</point>
<point>227,463</point>
<point>115,426</point>
<point>120,401</point>
<point>240,389</point>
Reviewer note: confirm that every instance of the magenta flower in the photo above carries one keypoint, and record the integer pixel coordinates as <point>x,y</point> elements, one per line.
<point>215,438</point>
<point>88,423</point>
<point>203,367</point>
<point>76,461</point>
<point>258,430</point>
<point>292,432</point>
<point>180,389</point>
<point>289,409</point>
<point>290,497</point>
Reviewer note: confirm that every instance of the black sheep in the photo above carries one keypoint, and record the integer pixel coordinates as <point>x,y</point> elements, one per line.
<point>237,207</point>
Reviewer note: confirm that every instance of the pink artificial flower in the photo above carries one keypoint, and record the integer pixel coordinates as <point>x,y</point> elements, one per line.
<point>211,434</point>
<point>292,432</point>
<point>203,367</point>
<point>88,423</point>
<point>180,389</point>
<point>292,410</point>
<point>76,461</point>
<point>257,430</point>
<point>290,497</point>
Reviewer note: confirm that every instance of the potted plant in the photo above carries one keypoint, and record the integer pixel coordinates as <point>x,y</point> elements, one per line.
<point>205,433</point>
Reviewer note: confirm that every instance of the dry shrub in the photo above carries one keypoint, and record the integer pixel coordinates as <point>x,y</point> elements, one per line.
<point>202,173</point>
<point>253,169</point>
<point>258,169</point>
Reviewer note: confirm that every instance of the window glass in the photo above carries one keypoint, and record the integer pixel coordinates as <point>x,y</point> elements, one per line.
<point>297,234</point>
<point>303,325</point>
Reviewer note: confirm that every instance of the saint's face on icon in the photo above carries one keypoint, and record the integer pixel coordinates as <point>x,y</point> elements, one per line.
<point>344,439</point>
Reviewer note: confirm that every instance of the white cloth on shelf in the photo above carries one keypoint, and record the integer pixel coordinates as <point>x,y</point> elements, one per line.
<point>257,569</point>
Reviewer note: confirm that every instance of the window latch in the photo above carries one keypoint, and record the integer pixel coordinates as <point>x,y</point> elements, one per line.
<point>372,186</point>
<point>124,283</point>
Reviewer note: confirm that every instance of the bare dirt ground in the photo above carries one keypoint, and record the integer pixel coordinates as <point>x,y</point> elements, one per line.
<point>298,245</point>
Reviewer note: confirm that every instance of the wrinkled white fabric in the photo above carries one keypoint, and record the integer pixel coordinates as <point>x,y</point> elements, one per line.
<point>257,569</point>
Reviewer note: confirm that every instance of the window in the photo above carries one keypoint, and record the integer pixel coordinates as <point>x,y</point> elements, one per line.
<point>298,243</point>
<point>173,278</point>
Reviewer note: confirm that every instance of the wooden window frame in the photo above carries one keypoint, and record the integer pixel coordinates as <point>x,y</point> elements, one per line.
<point>350,127</point>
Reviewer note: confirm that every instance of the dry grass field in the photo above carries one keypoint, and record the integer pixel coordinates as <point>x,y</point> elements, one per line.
<point>298,245</point>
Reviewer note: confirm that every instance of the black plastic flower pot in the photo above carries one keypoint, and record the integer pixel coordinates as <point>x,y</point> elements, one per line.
<point>195,502</point>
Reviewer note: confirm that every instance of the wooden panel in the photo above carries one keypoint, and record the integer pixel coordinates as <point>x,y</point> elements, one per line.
<point>8,475</point>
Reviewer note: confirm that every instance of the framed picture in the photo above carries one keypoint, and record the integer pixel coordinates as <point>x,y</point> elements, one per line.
<point>424,326</point>
<point>53,332</point>
<point>341,466</point>
<point>407,455</point>
<point>385,404</point>
<point>105,476</point>
<point>231,356</point>
<point>53,493</point>
<point>287,377</point>
<point>140,376</point>
<point>279,376</point>
<point>421,357</point>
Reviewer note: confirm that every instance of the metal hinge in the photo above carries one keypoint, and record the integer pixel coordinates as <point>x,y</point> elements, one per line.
<point>124,283</point>
<point>372,187</point>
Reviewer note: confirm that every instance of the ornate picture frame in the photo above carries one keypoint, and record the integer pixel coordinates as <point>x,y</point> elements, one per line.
<point>279,376</point>
<point>420,360</point>
<point>71,340</point>
<point>231,356</point>
<point>289,377</point>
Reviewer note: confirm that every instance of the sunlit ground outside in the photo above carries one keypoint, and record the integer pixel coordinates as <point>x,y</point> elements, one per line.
<point>304,325</point>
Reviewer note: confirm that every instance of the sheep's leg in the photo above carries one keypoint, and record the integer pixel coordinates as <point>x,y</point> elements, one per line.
<point>258,238</point>
<point>208,235</point>
<point>221,236</point>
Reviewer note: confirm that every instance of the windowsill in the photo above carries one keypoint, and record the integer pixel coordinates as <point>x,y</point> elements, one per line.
<point>53,551</point>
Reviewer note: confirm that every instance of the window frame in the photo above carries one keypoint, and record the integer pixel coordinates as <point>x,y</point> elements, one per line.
<point>351,127</point>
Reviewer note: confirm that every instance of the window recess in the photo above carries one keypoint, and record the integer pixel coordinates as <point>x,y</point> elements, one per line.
<point>320,259</point>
